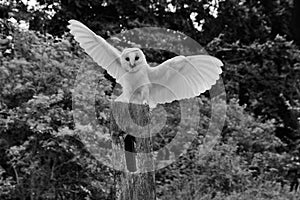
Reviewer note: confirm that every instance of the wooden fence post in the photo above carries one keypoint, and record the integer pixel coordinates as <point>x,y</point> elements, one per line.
<point>130,131</point>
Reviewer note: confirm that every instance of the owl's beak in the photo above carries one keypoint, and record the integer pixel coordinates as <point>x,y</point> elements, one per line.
<point>132,64</point>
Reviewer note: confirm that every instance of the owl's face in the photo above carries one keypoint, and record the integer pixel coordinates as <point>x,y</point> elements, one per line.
<point>132,59</point>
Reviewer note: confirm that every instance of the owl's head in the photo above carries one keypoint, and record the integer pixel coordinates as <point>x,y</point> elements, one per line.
<point>132,59</point>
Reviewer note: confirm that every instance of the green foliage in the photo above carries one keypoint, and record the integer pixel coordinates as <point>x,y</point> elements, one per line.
<point>41,155</point>
<point>250,21</point>
<point>265,78</point>
<point>246,21</point>
<point>225,171</point>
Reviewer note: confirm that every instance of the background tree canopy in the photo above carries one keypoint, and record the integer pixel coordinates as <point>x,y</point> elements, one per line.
<point>41,155</point>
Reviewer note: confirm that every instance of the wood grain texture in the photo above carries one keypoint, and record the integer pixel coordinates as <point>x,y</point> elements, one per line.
<point>137,178</point>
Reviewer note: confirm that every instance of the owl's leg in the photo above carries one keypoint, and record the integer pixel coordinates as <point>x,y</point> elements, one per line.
<point>122,98</point>
<point>145,95</point>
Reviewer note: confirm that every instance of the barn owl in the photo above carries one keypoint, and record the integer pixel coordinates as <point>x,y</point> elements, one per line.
<point>175,79</point>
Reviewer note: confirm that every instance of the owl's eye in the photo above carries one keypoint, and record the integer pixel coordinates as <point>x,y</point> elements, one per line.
<point>127,58</point>
<point>137,57</point>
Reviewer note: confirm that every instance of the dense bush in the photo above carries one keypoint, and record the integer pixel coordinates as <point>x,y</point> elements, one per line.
<point>43,157</point>
<point>230,167</point>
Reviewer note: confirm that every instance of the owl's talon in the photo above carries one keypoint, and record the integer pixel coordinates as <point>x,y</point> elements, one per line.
<point>145,102</point>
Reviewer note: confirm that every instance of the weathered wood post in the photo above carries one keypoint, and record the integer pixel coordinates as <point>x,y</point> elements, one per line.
<point>132,151</point>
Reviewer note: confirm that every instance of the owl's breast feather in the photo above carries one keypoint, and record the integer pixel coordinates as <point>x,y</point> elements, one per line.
<point>132,81</point>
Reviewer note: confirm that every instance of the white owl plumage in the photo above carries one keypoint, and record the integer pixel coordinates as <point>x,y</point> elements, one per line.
<point>178,78</point>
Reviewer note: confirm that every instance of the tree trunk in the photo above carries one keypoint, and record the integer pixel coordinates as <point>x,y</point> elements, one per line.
<point>132,145</point>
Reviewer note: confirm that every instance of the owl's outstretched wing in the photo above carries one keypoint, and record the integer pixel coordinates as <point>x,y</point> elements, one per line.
<point>183,77</point>
<point>101,51</point>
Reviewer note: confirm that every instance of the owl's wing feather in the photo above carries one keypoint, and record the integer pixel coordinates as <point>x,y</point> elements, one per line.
<point>95,46</point>
<point>183,77</point>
